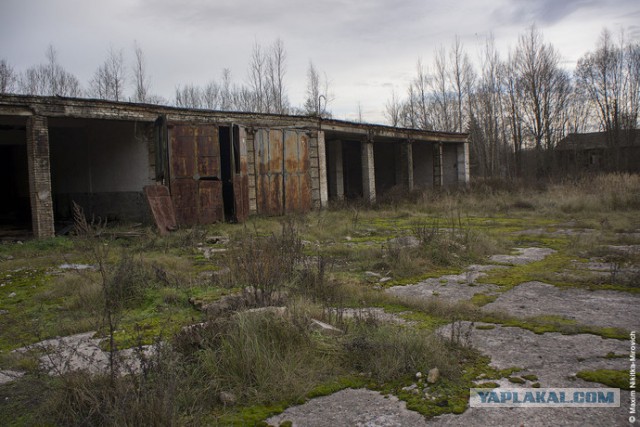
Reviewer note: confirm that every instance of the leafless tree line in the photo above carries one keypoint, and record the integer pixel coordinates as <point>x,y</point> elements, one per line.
<point>265,90</point>
<point>524,102</point>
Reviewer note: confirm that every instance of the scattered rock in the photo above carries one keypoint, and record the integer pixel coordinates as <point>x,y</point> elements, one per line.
<point>372,274</point>
<point>67,266</point>
<point>385,280</point>
<point>9,376</point>
<point>418,375</point>
<point>11,295</point>
<point>434,375</point>
<point>227,399</point>
<point>405,241</point>
<point>278,311</point>
<point>217,240</point>
<point>524,256</point>
<point>411,387</point>
<point>324,328</point>
<point>4,312</point>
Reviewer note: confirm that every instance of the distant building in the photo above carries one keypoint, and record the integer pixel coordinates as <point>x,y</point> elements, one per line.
<point>599,152</point>
<point>216,165</point>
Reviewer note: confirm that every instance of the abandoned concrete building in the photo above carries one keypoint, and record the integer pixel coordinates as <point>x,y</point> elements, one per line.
<point>216,165</point>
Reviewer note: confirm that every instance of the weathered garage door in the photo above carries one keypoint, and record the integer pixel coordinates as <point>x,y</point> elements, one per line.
<point>196,189</point>
<point>240,176</point>
<point>282,168</point>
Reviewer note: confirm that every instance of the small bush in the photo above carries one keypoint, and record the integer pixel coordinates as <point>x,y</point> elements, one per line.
<point>390,352</point>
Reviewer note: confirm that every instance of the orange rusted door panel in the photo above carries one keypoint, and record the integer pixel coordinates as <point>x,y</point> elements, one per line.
<point>194,159</point>
<point>283,182</point>
<point>240,177</point>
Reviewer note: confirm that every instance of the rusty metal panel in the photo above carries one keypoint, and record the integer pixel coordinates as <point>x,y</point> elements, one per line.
<point>241,179</point>
<point>210,202</point>
<point>283,167</point>
<point>196,189</point>
<point>241,195</point>
<point>161,207</point>
<point>297,175</point>
<point>269,165</point>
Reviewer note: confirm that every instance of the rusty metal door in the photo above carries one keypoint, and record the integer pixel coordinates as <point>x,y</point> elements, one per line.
<point>283,181</point>
<point>240,175</point>
<point>196,189</point>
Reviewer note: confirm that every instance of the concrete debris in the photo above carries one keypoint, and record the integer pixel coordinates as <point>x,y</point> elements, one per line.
<point>324,328</point>
<point>434,376</point>
<point>523,256</point>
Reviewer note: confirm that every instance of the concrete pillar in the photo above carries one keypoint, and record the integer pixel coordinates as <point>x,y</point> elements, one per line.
<point>404,165</point>
<point>438,172</point>
<point>322,170</point>
<point>463,163</point>
<point>40,177</point>
<point>336,179</point>
<point>368,171</point>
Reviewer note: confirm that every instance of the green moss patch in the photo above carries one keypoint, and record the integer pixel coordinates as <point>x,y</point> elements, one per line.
<point>609,377</point>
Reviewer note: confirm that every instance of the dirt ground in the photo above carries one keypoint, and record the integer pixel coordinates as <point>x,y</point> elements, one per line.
<point>554,358</point>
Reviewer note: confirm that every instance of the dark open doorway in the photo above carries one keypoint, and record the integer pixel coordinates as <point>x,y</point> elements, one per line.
<point>229,165</point>
<point>15,205</point>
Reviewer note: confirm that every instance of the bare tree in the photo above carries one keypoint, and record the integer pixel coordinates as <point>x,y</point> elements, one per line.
<point>258,80</point>
<point>545,90</point>
<point>393,109</point>
<point>461,76</point>
<point>610,78</point>
<point>276,70</point>
<point>441,93</point>
<point>226,95</point>
<point>109,79</point>
<point>188,96</point>
<point>317,92</point>
<point>8,78</point>
<point>211,96</point>
<point>49,79</point>
<point>140,77</point>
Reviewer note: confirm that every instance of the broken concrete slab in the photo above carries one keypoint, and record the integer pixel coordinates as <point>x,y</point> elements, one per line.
<point>454,287</point>
<point>82,352</point>
<point>555,359</point>
<point>597,308</point>
<point>376,314</point>
<point>324,328</point>
<point>523,256</point>
<point>9,376</point>
<point>351,407</point>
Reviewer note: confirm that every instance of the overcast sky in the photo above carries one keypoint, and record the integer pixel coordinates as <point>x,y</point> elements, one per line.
<point>365,47</point>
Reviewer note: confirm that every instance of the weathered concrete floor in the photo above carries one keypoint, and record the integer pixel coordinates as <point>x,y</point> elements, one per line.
<point>595,308</point>
<point>553,357</point>
<point>78,352</point>
<point>453,287</point>
<point>351,408</point>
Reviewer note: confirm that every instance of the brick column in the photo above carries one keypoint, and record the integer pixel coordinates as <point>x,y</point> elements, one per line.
<point>40,177</point>
<point>336,180</point>
<point>322,170</point>
<point>404,165</point>
<point>438,172</point>
<point>463,163</point>
<point>368,171</point>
